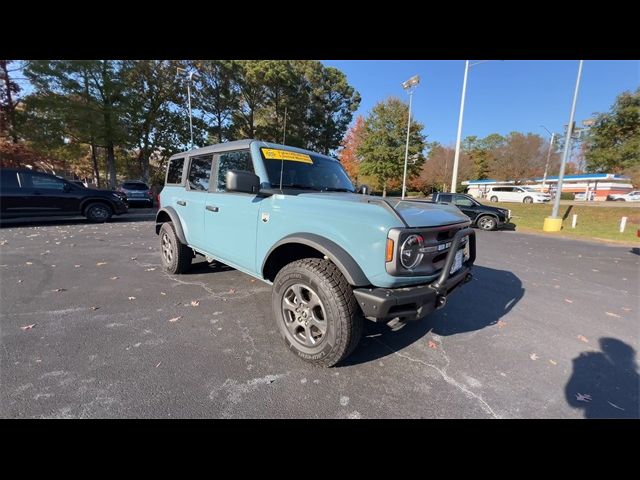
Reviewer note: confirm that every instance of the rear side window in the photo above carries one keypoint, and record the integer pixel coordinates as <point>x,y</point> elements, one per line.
<point>444,198</point>
<point>240,160</point>
<point>9,180</point>
<point>200,172</point>
<point>174,170</point>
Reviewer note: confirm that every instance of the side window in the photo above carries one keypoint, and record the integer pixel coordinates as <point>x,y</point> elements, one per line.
<point>200,172</point>
<point>9,180</point>
<point>174,170</point>
<point>444,198</point>
<point>239,160</point>
<point>50,183</point>
<point>463,201</point>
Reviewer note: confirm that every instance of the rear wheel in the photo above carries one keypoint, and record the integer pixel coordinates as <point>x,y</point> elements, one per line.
<point>98,212</point>
<point>316,311</point>
<point>176,256</point>
<point>487,222</point>
<point>494,199</point>
<point>527,200</point>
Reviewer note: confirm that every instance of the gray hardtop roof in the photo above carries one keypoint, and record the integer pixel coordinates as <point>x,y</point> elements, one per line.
<point>239,144</point>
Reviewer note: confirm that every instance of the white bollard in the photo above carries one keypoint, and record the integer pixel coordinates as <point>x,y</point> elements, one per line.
<point>575,219</point>
<point>623,223</point>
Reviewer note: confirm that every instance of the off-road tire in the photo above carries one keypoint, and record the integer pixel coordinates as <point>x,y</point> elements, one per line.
<point>178,260</point>
<point>98,212</point>
<point>344,321</point>
<point>494,199</point>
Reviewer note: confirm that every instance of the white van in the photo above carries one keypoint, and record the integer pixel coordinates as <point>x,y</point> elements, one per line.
<point>517,194</point>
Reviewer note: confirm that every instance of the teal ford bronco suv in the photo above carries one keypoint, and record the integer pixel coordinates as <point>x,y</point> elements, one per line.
<point>292,218</point>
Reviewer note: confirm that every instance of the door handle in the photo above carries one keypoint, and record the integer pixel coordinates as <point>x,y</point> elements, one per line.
<point>181,202</point>
<point>212,208</point>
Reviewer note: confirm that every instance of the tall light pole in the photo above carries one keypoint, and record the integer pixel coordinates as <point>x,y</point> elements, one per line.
<point>454,177</point>
<point>409,86</point>
<point>191,75</point>
<point>553,223</point>
<point>546,167</point>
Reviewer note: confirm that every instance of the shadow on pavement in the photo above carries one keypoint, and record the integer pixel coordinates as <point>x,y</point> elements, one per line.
<point>474,306</point>
<point>635,251</point>
<point>202,266</point>
<point>605,384</point>
<point>143,215</point>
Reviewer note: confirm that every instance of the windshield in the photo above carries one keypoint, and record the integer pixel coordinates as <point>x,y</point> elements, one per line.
<point>308,172</point>
<point>135,186</point>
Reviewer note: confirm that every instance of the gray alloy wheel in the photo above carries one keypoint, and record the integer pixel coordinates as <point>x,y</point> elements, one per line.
<point>176,256</point>
<point>304,315</point>
<point>494,199</point>
<point>167,249</point>
<point>527,200</point>
<point>98,212</point>
<point>487,222</point>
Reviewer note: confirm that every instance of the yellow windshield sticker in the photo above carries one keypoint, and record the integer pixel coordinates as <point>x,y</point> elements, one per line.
<point>273,154</point>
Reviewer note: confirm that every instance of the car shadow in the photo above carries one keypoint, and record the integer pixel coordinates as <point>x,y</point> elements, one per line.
<point>202,266</point>
<point>605,384</point>
<point>479,304</point>
<point>130,217</point>
<point>511,227</point>
<point>635,251</point>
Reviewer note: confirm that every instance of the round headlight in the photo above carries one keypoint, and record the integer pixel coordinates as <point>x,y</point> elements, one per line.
<point>410,254</point>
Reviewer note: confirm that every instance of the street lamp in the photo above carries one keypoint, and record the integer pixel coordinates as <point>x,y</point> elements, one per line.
<point>191,75</point>
<point>546,167</point>
<point>553,223</point>
<point>454,177</point>
<point>409,86</point>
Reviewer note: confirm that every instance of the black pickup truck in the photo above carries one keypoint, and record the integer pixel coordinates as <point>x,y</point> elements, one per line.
<point>482,216</point>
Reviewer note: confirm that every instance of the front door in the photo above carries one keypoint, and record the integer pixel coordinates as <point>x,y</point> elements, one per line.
<point>466,205</point>
<point>46,194</point>
<point>231,218</point>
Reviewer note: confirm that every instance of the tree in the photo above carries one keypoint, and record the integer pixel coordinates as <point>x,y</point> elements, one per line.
<point>348,154</point>
<point>383,147</point>
<point>482,153</point>
<point>521,156</point>
<point>613,144</point>
<point>9,101</point>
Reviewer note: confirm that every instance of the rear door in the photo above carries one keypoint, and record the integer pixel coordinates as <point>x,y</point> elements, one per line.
<point>195,195</point>
<point>12,202</point>
<point>231,218</point>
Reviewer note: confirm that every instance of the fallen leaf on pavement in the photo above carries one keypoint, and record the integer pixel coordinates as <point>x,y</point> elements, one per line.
<point>114,278</point>
<point>101,263</point>
<point>553,362</point>
<point>158,364</point>
<point>151,269</point>
<point>613,314</point>
<point>595,270</point>
<point>195,303</point>
<point>59,290</point>
<point>162,293</point>
<point>133,258</point>
<point>28,327</point>
<point>626,309</point>
<point>534,356</point>
<point>433,344</point>
<point>175,319</point>
<point>95,308</point>
<point>232,291</point>
<point>568,301</point>
<point>132,298</point>
<point>583,338</point>
<point>501,324</point>
<point>19,281</point>
<point>583,397</point>
<point>29,263</point>
<point>77,266</point>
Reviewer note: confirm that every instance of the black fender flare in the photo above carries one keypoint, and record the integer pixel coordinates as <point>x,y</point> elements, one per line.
<point>338,255</point>
<point>175,219</point>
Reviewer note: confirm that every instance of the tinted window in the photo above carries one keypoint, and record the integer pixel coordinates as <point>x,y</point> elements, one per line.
<point>174,170</point>
<point>444,198</point>
<point>240,160</point>
<point>200,172</point>
<point>463,202</point>
<point>135,186</point>
<point>40,181</point>
<point>9,180</point>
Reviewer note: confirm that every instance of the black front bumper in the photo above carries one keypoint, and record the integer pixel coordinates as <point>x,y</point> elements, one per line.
<point>412,303</point>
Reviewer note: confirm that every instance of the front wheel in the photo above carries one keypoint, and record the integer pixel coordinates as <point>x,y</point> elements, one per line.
<point>98,212</point>
<point>494,199</point>
<point>487,222</point>
<point>527,200</point>
<point>316,311</point>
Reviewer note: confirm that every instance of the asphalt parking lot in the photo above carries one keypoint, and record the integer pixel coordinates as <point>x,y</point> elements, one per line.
<point>92,327</point>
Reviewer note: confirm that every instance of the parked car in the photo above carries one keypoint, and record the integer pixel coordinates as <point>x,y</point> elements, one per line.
<point>137,192</point>
<point>482,216</point>
<point>517,194</point>
<point>292,218</point>
<point>627,197</point>
<point>26,193</point>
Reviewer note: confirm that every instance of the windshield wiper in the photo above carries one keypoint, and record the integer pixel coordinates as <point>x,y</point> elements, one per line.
<point>331,189</point>
<point>300,186</point>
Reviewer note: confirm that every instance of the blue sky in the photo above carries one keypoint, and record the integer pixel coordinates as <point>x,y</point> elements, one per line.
<point>502,96</point>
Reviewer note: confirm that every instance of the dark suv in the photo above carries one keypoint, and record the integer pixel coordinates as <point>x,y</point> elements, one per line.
<point>137,192</point>
<point>26,193</point>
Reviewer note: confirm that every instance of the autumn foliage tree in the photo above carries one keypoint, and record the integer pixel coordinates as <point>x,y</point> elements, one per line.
<point>348,153</point>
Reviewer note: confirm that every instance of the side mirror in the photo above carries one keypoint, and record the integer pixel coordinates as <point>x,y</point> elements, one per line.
<point>242,181</point>
<point>364,189</point>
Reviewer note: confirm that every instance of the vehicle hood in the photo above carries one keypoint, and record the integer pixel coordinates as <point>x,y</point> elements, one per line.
<point>415,213</point>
